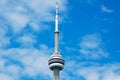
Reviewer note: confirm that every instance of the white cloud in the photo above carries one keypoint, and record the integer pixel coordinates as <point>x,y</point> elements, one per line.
<point>90,41</point>
<point>92,76</point>
<point>5,77</point>
<point>4,40</point>
<point>105,9</point>
<point>10,72</point>
<point>30,61</point>
<point>106,72</point>
<point>70,49</point>
<point>19,13</point>
<point>27,40</point>
<point>17,20</point>
<point>76,70</point>
<point>91,47</point>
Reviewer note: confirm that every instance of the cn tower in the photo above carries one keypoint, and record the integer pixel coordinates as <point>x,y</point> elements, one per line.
<point>56,62</point>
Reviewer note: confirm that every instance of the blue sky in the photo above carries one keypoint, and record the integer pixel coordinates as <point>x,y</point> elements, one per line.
<point>89,39</point>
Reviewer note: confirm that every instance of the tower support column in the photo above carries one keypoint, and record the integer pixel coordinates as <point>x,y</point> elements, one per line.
<point>56,42</point>
<point>56,74</point>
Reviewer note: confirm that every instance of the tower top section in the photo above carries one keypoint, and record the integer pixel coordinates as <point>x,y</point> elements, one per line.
<point>56,18</point>
<point>56,8</point>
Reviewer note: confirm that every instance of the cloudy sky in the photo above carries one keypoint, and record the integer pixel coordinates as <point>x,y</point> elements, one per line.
<point>89,39</point>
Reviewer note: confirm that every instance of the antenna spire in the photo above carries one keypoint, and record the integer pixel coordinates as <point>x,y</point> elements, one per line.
<point>57,8</point>
<point>56,19</point>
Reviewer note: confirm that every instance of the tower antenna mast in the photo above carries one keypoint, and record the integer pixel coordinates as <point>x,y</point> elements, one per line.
<point>56,48</point>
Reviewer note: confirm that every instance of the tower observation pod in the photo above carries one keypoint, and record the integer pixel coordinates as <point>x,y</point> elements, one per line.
<point>56,62</point>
